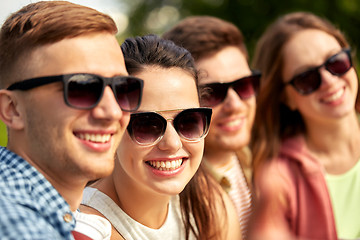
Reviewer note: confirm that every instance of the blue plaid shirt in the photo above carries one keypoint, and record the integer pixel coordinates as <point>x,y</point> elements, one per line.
<point>30,207</point>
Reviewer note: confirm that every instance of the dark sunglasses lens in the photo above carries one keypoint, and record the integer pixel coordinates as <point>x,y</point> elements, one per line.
<point>307,82</point>
<point>191,125</point>
<point>339,64</point>
<point>213,94</point>
<point>84,91</point>
<point>128,92</point>
<point>146,128</point>
<point>310,81</point>
<point>246,87</point>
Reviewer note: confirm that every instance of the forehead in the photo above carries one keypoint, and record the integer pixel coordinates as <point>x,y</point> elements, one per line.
<point>97,53</point>
<point>226,65</point>
<point>167,88</point>
<point>308,48</point>
<point>309,44</point>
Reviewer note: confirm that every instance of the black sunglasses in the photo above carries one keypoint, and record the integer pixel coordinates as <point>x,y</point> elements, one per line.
<point>148,128</point>
<point>310,80</point>
<point>84,90</point>
<point>215,93</point>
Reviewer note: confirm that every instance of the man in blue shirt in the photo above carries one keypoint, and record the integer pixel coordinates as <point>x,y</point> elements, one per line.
<point>65,96</point>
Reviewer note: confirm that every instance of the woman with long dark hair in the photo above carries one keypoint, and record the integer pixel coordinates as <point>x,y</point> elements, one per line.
<point>157,189</point>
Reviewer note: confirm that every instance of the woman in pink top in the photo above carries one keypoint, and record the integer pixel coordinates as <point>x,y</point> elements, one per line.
<point>306,132</point>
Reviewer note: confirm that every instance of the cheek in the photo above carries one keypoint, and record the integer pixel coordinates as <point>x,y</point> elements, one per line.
<point>124,121</point>
<point>216,113</point>
<point>128,152</point>
<point>196,151</point>
<point>251,105</point>
<point>47,120</point>
<point>307,106</point>
<point>353,81</point>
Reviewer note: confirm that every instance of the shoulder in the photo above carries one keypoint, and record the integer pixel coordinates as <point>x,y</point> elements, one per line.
<point>293,154</point>
<point>293,162</point>
<point>32,207</point>
<point>21,220</point>
<point>275,177</point>
<point>93,225</point>
<point>89,210</point>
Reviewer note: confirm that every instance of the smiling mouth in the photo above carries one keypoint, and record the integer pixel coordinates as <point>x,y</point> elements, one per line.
<point>95,138</point>
<point>165,165</point>
<point>233,124</point>
<point>334,96</point>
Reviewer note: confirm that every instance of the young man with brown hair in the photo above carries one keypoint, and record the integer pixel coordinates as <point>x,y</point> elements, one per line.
<point>65,97</point>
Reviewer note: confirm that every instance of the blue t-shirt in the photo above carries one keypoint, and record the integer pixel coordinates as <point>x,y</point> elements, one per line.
<point>30,207</point>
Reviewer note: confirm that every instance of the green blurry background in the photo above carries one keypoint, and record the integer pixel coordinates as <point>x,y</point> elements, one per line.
<point>3,139</point>
<point>251,16</point>
<point>139,17</point>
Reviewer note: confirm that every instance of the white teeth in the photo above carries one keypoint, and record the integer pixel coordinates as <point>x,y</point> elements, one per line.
<point>97,138</point>
<point>166,165</point>
<point>335,96</point>
<point>233,123</point>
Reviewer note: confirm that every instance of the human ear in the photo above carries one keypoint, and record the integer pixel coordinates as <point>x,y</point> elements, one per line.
<point>10,112</point>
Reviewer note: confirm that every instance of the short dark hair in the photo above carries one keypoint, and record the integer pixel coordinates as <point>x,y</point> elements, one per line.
<point>42,23</point>
<point>205,35</point>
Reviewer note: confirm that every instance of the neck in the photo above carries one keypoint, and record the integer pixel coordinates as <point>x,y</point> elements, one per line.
<point>68,181</point>
<point>71,192</point>
<point>338,148</point>
<point>219,158</point>
<point>140,204</point>
<point>69,184</point>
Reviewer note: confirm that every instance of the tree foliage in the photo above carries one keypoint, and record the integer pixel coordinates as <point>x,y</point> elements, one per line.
<point>251,16</point>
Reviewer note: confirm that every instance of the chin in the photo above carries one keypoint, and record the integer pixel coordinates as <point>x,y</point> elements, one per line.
<point>235,144</point>
<point>172,190</point>
<point>97,173</point>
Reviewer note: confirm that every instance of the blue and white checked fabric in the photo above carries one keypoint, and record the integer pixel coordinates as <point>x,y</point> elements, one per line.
<point>30,207</point>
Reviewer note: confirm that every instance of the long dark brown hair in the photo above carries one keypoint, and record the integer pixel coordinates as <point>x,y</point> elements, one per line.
<point>199,198</point>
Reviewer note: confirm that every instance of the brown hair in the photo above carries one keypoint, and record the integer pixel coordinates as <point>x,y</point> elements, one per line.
<point>44,23</point>
<point>274,121</point>
<point>205,35</point>
<point>199,197</point>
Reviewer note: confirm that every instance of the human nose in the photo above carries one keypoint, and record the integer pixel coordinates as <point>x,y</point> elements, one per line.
<point>327,78</point>
<point>232,100</point>
<point>108,107</point>
<point>171,140</point>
